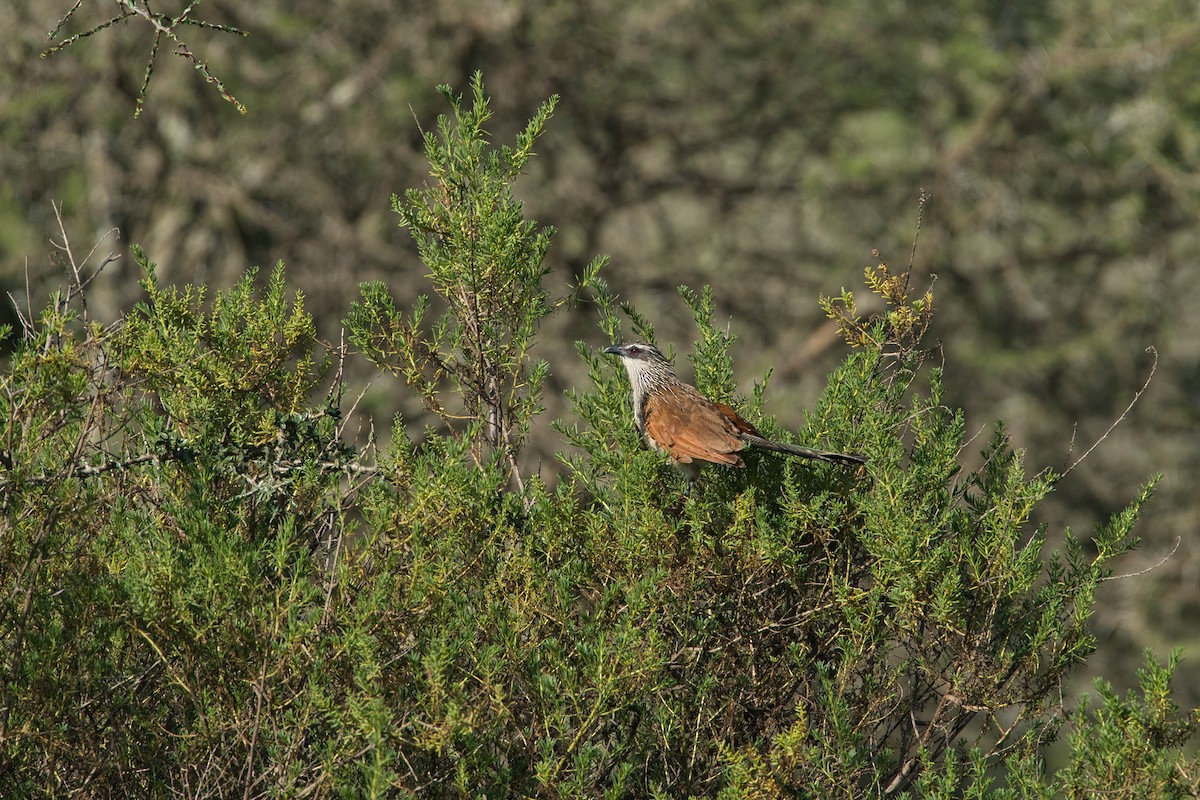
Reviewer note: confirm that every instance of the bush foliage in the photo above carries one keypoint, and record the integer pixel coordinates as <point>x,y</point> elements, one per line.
<point>208,592</point>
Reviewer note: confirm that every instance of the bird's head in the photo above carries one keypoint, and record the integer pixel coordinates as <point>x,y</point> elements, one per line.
<point>646,365</point>
<point>637,351</point>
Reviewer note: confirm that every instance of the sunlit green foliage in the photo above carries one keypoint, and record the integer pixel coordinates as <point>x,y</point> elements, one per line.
<point>208,591</point>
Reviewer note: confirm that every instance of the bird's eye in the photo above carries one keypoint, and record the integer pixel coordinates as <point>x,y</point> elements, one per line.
<point>635,351</point>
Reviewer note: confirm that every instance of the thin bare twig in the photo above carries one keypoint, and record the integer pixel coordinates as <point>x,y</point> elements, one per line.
<point>1137,395</point>
<point>164,27</point>
<point>70,40</point>
<point>1150,568</point>
<point>63,21</point>
<point>76,265</point>
<point>922,201</point>
<point>26,319</point>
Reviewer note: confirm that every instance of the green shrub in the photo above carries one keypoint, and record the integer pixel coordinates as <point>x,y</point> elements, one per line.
<point>206,591</point>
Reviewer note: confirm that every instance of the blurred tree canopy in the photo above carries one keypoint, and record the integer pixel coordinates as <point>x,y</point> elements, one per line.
<point>761,147</point>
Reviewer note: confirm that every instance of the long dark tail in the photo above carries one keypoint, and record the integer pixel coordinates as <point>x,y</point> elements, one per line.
<point>803,452</point>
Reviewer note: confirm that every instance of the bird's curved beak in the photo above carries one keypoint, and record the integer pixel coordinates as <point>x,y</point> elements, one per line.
<point>613,350</point>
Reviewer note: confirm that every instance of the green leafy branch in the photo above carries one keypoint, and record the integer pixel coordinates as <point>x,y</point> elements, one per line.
<point>487,264</point>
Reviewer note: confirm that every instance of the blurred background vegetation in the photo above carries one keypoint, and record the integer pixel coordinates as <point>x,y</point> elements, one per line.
<point>763,147</point>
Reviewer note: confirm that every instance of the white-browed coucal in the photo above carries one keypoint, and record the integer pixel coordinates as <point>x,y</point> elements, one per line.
<point>677,420</point>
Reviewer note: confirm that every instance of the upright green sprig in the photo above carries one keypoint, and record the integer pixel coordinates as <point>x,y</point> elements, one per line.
<point>486,262</point>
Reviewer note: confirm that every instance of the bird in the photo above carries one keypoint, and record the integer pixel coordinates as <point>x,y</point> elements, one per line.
<point>676,419</point>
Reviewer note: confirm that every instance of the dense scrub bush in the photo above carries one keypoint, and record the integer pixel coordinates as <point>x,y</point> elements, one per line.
<point>206,592</point>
